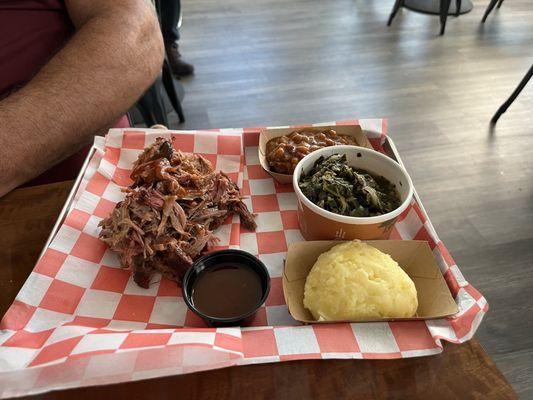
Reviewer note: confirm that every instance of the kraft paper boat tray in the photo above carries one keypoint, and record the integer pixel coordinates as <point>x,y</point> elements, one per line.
<point>266,134</point>
<point>414,256</point>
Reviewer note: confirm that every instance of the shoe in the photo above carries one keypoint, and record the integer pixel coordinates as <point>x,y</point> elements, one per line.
<point>179,67</point>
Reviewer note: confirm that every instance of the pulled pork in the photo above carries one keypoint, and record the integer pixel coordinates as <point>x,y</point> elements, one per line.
<point>169,213</point>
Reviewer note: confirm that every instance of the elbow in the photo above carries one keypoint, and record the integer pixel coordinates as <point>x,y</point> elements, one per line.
<point>156,50</point>
<point>148,49</point>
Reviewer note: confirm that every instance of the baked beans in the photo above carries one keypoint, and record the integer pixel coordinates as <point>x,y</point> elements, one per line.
<point>284,152</point>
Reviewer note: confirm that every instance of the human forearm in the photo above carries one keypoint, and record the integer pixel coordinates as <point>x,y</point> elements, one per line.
<point>113,57</point>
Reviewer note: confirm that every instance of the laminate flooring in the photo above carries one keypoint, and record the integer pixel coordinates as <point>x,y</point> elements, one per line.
<point>278,62</point>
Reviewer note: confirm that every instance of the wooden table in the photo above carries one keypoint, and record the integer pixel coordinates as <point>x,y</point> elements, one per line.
<point>460,372</point>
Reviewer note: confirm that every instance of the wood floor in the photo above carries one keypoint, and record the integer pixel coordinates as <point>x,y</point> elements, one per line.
<point>276,62</point>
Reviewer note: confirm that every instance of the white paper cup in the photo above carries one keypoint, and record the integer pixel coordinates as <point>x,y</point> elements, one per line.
<point>319,224</point>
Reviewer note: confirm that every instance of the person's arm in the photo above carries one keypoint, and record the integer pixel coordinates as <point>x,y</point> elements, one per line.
<point>113,57</point>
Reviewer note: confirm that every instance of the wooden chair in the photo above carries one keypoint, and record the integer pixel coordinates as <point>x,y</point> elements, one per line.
<point>490,8</point>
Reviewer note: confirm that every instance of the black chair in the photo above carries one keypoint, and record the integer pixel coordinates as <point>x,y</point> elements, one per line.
<point>513,96</point>
<point>151,105</point>
<point>489,9</point>
<point>444,9</point>
<point>527,77</point>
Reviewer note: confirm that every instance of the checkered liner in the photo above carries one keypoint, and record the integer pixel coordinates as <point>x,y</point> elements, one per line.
<point>81,320</point>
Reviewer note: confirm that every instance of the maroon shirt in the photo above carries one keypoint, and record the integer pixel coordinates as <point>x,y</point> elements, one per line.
<point>31,32</point>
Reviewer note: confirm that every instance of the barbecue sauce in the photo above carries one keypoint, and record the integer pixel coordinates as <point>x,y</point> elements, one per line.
<point>227,291</point>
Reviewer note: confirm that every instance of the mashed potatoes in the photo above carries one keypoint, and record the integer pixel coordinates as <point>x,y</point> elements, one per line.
<point>355,281</point>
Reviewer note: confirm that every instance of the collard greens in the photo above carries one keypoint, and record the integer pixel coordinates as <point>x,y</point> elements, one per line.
<point>337,187</point>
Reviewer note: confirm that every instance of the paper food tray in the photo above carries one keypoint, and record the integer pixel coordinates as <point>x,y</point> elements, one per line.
<point>80,319</point>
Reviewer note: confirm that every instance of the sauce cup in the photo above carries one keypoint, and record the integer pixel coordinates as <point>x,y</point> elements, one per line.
<point>210,263</point>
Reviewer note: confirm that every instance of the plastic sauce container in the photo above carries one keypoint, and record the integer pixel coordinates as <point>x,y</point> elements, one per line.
<point>226,287</point>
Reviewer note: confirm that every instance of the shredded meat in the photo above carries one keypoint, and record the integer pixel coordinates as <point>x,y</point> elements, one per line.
<point>169,213</point>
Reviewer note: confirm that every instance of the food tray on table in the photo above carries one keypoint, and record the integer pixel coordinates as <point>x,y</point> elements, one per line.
<point>81,320</point>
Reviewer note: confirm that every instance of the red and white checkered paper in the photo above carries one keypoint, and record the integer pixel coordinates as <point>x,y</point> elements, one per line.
<point>81,320</point>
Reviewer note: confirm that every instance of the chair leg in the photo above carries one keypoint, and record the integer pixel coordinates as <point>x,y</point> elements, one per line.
<point>457,7</point>
<point>395,8</point>
<point>513,96</point>
<point>444,9</point>
<point>130,119</point>
<point>151,106</point>
<point>168,83</point>
<point>146,115</point>
<point>499,4</point>
<point>488,10</point>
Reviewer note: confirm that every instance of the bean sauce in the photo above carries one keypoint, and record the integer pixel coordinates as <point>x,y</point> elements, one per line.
<point>227,291</point>
<point>284,152</point>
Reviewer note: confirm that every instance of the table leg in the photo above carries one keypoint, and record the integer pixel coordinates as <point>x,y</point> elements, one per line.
<point>394,11</point>
<point>488,10</point>
<point>444,7</point>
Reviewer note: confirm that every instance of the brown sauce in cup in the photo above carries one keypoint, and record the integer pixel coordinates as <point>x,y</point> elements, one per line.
<point>226,291</point>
